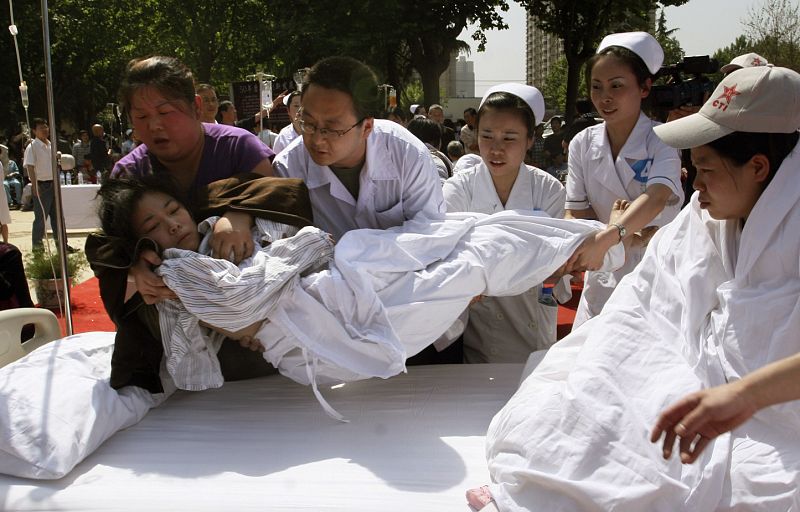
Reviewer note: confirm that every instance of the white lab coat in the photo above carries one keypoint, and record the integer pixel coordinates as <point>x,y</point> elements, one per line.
<point>709,304</point>
<point>507,329</point>
<point>285,137</point>
<point>398,181</point>
<point>596,180</point>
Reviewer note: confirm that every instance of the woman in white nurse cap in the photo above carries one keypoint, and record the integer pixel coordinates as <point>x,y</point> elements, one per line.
<point>620,160</point>
<point>507,329</point>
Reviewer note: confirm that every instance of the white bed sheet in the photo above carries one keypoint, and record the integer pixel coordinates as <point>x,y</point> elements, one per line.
<point>414,442</point>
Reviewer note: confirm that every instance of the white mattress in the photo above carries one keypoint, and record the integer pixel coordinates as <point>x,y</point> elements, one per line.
<point>414,442</point>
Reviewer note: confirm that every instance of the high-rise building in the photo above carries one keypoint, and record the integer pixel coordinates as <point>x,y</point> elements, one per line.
<point>458,81</point>
<point>543,51</point>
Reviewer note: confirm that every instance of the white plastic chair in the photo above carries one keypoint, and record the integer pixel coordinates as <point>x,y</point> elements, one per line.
<point>11,323</point>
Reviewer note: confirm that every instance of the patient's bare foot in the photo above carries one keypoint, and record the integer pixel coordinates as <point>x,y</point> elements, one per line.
<point>479,497</point>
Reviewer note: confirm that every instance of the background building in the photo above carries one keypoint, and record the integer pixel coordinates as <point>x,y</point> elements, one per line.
<point>543,50</point>
<point>458,81</point>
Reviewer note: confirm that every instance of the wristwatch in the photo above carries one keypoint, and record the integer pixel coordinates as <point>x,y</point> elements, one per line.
<point>620,229</point>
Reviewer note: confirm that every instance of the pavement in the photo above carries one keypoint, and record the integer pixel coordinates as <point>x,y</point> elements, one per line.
<point>19,234</point>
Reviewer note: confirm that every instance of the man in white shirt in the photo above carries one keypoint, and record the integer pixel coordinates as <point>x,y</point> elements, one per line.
<point>208,112</point>
<point>361,172</point>
<point>467,134</point>
<point>38,162</point>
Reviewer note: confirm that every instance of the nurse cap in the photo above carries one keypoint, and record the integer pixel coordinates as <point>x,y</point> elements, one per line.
<point>414,108</point>
<point>748,60</point>
<point>288,98</point>
<point>763,99</point>
<point>526,93</point>
<point>641,43</point>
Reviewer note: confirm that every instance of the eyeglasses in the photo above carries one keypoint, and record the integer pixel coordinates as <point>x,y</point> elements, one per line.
<point>325,133</point>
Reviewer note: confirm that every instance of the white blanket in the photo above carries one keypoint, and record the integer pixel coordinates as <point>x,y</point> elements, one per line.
<point>390,293</point>
<point>708,304</point>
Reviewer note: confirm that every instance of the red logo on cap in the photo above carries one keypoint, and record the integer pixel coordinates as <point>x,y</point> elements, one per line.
<point>729,93</point>
<point>756,62</point>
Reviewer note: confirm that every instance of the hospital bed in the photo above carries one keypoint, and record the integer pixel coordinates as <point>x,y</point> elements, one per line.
<point>413,442</point>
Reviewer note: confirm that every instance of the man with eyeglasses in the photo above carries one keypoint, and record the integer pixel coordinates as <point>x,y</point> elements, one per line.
<point>361,172</point>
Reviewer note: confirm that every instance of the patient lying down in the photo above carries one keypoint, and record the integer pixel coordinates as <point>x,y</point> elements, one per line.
<point>353,313</point>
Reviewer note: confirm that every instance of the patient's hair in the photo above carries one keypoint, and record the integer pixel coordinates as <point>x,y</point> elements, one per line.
<point>740,147</point>
<point>502,100</point>
<point>118,199</point>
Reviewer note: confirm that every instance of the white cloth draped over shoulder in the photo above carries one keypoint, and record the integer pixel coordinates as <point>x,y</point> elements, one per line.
<point>387,294</point>
<point>709,303</point>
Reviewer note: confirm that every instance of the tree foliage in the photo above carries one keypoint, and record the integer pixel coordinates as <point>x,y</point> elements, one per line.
<point>774,30</point>
<point>581,24</point>
<point>554,89</point>
<point>223,41</point>
<point>432,30</point>
<point>673,52</point>
<point>93,40</point>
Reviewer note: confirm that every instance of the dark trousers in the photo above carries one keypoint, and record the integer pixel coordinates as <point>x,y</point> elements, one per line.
<point>44,206</point>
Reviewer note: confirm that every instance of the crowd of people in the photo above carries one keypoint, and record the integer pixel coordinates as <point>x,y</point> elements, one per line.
<point>381,239</point>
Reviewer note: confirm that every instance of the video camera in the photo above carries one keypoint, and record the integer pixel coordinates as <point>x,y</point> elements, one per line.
<point>680,91</point>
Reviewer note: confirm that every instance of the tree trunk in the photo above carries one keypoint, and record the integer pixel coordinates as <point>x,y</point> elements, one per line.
<point>573,75</point>
<point>430,83</point>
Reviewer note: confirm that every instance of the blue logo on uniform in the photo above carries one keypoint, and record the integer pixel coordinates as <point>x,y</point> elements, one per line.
<point>640,169</point>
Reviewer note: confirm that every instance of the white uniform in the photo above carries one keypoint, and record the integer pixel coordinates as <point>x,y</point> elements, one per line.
<point>507,329</point>
<point>710,303</point>
<point>285,137</point>
<point>398,181</point>
<point>596,180</point>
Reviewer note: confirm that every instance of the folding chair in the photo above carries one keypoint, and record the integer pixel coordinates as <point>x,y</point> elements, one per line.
<point>11,323</point>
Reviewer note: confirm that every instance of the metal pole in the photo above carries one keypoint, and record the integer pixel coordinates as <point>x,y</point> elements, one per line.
<point>51,113</point>
<point>23,88</point>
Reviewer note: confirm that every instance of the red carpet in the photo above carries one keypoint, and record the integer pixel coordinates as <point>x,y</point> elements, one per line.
<point>88,313</point>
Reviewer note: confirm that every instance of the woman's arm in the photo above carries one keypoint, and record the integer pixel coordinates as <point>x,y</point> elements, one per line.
<point>264,168</point>
<point>245,337</point>
<point>587,213</point>
<point>711,412</point>
<point>231,239</point>
<point>636,216</point>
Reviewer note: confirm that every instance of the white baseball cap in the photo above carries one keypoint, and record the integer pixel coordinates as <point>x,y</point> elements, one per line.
<point>526,93</point>
<point>748,60</point>
<point>762,99</point>
<point>641,43</point>
<point>414,107</point>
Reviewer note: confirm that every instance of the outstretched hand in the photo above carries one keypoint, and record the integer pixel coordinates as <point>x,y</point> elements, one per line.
<point>700,417</point>
<point>592,251</point>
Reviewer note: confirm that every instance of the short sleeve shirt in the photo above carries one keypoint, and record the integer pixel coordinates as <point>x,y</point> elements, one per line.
<point>227,150</point>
